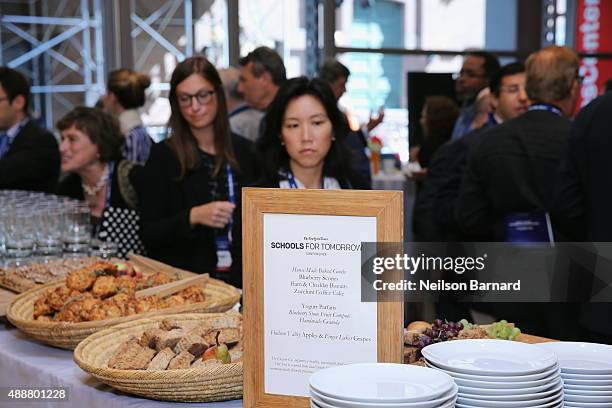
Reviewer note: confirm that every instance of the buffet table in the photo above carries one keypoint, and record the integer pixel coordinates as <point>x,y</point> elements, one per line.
<point>27,363</point>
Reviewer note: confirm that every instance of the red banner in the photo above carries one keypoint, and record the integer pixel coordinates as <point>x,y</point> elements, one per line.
<point>594,35</point>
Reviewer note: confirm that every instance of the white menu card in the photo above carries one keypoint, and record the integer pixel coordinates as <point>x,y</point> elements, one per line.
<point>313,314</point>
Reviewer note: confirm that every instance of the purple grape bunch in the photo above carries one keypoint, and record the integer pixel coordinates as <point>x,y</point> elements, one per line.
<point>440,331</point>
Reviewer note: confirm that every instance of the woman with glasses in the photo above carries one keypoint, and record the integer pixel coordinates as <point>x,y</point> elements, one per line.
<point>191,195</point>
<point>304,143</point>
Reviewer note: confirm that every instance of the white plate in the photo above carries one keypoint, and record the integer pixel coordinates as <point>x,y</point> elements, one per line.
<point>554,404</point>
<point>494,357</point>
<point>543,402</point>
<point>586,382</point>
<point>589,398</point>
<point>553,371</point>
<point>500,385</point>
<point>446,400</point>
<point>586,404</point>
<point>580,391</point>
<point>581,358</point>
<point>483,392</point>
<point>596,377</point>
<point>380,382</point>
<point>554,390</point>
<point>599,388</point>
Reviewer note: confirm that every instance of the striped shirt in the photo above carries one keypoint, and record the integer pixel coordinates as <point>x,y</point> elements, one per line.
<point>137,145</point>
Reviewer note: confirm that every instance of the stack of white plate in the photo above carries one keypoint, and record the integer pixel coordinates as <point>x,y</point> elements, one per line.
<point>586,369</point>
<point>499,373</point>
<point>378,385</point>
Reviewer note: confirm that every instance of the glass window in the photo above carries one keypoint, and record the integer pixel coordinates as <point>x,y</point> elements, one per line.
<point>161,39</point>
<point>279,25</point>
<point>453,25</point>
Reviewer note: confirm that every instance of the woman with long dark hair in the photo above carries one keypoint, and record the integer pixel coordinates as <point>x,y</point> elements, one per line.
<point>193,179</point>
<point>304,142</point>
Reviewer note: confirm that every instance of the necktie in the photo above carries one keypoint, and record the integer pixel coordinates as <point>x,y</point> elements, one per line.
<point>4,144</point>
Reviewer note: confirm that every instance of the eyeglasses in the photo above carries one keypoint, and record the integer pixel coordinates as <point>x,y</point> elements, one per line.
<point>468,73</point>
<point>203,98</point>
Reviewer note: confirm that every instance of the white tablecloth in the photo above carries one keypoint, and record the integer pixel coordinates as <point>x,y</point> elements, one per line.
<point>27,363</point>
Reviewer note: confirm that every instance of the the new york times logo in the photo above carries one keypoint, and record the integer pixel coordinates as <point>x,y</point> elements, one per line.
<point>413,264</point>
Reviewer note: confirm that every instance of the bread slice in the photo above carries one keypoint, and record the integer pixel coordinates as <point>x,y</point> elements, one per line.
<point>169,338</point>
<point>227,335</point>
<point>181,361</point>
<point>193,343</point>
<point>131,356</point>
<point>150,337</point>
<point>161,360</point>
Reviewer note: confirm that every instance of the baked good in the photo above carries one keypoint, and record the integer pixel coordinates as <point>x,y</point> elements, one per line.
<point>131,356</point>
<point>161,360</point>
<point>181,361</point>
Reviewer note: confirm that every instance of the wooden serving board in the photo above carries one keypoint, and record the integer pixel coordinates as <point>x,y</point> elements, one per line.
<point>6,297</point>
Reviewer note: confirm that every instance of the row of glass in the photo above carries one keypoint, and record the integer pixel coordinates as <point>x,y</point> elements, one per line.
<point>42,225</point>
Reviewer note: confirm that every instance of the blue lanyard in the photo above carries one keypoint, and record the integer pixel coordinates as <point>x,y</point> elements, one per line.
<point>238,110</point>
<point>231,195</point>
<point>291,180</point>
<point>546,107</point>
<point>293,183</point>
<point>111,170</point>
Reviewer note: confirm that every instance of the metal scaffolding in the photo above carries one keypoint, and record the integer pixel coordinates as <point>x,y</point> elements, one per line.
<point>58,45</point>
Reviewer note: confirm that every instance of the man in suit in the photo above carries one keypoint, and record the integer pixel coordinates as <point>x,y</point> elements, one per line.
<point>513,171</point>
<point>29,155</point>
<point>584,201</point>
<point>509,100</point>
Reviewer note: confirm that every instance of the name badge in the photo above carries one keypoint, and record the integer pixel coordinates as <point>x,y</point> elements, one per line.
<point>224,257</point>
<point>529,227</point>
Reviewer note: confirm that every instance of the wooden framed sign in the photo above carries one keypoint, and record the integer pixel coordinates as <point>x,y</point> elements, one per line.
<point>302,288</point>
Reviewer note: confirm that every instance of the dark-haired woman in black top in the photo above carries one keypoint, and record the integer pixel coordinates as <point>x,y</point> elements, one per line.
<point>192,189</point>
<point>304,142</point>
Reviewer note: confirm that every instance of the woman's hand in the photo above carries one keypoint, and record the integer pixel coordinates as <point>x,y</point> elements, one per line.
<point>216,214</point>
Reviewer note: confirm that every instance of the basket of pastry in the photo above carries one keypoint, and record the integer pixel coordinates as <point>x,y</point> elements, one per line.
<point>99,296</point>
<point>194,357</point>
<point>22,278</point>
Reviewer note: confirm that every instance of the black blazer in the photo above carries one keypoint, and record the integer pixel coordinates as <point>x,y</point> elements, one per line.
<point>166,204</point>
<point>32,162</point>
<point>514,168</point>
<point>584,202</point>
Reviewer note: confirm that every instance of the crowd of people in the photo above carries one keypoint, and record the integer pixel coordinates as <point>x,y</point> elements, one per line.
<point>510,149</point>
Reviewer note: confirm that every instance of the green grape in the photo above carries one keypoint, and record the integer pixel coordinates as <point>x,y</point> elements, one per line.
<point>502,330</point>
<point>515,332</point>
<point>467,325</point>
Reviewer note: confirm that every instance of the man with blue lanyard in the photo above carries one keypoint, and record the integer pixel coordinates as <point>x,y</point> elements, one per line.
<point>511,177</point>
<point>29,155</point>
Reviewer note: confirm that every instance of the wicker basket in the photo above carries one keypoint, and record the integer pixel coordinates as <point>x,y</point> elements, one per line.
<point>219,297</point>
<point>205,384</point>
